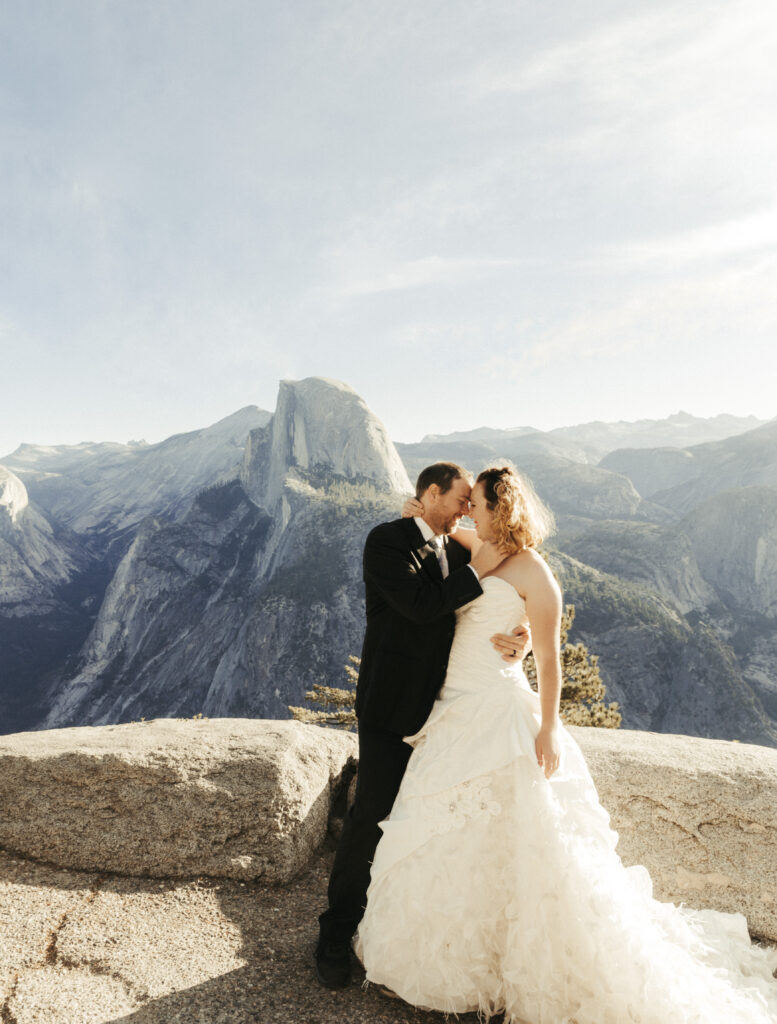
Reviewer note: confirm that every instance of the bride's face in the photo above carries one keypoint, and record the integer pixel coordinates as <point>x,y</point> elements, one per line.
<point>480,513</point>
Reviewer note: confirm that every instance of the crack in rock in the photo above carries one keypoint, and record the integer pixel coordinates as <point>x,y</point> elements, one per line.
<point>99,967</point>
<point>50,953</point>
<point>52,957</point>
<point>6,1014</point>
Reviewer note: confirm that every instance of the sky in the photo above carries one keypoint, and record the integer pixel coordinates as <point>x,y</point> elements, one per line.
<point>473,212</point>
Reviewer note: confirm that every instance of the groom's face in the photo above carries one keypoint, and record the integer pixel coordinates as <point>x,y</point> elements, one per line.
<point>443,511</point>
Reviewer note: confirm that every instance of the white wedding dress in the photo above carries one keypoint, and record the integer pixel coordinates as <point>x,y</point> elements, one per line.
<point>495,889</point>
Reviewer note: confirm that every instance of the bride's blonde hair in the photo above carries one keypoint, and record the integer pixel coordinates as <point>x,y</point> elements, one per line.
<point>521,520</point>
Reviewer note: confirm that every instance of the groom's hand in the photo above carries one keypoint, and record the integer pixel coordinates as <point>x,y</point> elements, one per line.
<point>513,646</point>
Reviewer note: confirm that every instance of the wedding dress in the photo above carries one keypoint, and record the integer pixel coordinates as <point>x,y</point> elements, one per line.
<point>495,889</point>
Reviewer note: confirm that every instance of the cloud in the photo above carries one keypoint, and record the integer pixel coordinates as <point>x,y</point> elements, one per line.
<point>715,317</point>
<point>749,235</point>
<point>432,270</point>
<point>677,97</point>
<point>641,60</point>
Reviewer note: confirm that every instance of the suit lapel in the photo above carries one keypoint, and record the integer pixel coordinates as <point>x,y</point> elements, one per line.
<point>423,550</point>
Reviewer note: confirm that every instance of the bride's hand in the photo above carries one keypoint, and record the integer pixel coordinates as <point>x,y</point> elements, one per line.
<point>512,646</point>
<point>548,749</point>
<point>412,507</point>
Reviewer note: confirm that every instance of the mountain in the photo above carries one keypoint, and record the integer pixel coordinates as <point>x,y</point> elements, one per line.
<point>734,540</point>
<point>486,435</point>
<point>219,573</point>
<point>682,478</point>
<point>677,431</point>
<point>33,561</point>
<point>597,438</point>
<point>47,605</point>
<point>321,430</point>
<point>669,674</point>
<point>659,556</point>
<point>256,593</point>
<point>108,488</point>
<point>71,511</point>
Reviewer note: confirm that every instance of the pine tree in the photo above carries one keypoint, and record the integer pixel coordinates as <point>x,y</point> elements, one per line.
<point>582,689</point>
<point>336,704</point>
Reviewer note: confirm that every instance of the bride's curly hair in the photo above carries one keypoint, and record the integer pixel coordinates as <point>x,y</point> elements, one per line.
<point>520,520</point>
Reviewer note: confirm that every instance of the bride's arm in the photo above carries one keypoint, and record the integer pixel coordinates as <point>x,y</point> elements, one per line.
<point>464,535</point>
<point>468,538</point>
<point>543,606</point>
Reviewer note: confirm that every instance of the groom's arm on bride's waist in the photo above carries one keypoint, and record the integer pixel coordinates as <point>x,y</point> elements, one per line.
<point>391,568</point>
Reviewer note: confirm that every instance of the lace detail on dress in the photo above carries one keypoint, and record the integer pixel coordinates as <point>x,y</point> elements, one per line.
<point>470,804</point>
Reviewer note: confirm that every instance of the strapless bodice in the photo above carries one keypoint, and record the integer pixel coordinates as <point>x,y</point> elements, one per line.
<point>474,664</point>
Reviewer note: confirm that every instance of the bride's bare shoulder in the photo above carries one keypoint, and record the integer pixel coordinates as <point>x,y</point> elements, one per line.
<point>526,567</point>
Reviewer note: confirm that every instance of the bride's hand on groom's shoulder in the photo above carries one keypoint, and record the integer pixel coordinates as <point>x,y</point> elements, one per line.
<point>412,507</point>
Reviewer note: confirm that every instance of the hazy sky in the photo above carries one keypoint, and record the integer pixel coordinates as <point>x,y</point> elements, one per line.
<point>473,212</point>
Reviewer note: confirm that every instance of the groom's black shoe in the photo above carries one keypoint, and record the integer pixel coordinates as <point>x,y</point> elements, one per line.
<point>333,963</point>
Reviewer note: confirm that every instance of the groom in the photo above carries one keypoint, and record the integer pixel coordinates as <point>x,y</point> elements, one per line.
<point>416,576</point>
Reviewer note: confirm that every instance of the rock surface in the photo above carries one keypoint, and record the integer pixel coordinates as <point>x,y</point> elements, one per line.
<point>700,814</point>
<point>33,561</point>
<point>94,947</point>
<point>734,538</point>
<point>229,798</point>
<point>320,427</point>
<point>248,799</point>
<point>100,949</point>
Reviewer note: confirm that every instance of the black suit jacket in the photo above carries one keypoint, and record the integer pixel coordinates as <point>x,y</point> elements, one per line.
<point>410,624</point>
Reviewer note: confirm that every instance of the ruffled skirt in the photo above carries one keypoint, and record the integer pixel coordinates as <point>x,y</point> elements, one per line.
<point>494,889</point>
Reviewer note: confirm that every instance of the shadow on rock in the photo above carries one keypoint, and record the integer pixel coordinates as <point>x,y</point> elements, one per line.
<point>96,949</point>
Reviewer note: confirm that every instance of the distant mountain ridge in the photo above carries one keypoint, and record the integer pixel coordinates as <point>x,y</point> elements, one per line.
<point>598,438</point>
<point>680,478</point>
<point>79,484</point>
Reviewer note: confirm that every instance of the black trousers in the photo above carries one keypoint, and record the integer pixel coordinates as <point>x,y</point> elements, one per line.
<point>383,757</point>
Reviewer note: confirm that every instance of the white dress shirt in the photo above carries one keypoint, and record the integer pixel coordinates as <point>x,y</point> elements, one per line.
<point>435,539</point>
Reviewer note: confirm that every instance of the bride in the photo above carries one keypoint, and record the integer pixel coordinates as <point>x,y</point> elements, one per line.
<point>496,886</point>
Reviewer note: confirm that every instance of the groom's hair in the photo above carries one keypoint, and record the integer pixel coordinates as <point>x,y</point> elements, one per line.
<point>443,474</point>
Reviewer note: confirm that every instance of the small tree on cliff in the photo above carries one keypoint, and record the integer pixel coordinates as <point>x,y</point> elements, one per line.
<point>335,705</point>
<point>582,689</point>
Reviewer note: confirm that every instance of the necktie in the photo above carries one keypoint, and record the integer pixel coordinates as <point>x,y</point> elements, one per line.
<point>439,550</point>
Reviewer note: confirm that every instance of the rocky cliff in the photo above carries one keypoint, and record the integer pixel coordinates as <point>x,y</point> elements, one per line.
<point>256,593</point>
<point>108,489</point>
<point>682,478</point>
<point>668,671</point>
<point>48,582</point>
<point>321,431</point>
<point>34,562</point>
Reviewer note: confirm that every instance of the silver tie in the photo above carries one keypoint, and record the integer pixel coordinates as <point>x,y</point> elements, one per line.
<point>439,550</point>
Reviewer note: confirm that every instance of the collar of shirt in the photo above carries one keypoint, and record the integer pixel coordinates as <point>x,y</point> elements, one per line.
<point>428,532</point>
